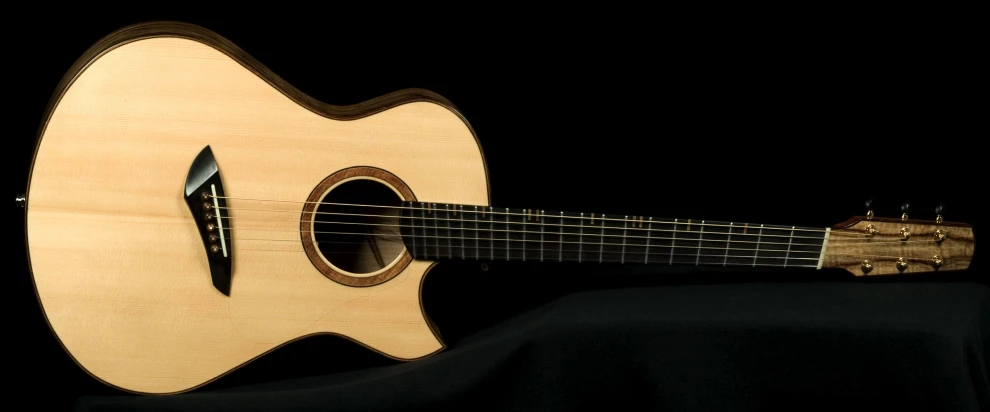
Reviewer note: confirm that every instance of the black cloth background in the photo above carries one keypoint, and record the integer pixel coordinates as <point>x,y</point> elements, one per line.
<point>724,347</point>
<point>795,124</point>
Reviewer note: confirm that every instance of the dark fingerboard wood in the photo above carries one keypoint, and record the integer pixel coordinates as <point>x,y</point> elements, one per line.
<point>444,231</point>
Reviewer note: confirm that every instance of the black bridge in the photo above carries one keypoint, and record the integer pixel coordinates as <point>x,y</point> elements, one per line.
<point>208,204</point>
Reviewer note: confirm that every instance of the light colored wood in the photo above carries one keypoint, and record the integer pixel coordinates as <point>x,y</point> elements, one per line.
<point>849,246</point>
<point>117,260</point>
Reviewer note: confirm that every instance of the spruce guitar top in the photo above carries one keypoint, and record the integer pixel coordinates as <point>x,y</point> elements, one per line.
<point>189,211</point>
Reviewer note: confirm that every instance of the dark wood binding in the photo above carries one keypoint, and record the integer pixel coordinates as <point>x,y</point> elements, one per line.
<point>194,32</point>
<point>306,222</point>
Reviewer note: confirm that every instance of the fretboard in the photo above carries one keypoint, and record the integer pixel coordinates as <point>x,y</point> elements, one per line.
<point>442,231</point>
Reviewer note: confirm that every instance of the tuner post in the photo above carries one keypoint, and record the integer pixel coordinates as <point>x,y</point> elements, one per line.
<point>936,261</point>
<point>871,230</point>
<point>20,200</point>
<point>905,208</point>
<point>867,266</point>
<point>939,236</point>
<point>938,213</point>
<point>901,264</point>
<point>869,208</point>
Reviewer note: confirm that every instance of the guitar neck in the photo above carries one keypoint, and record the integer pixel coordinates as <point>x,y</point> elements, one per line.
<point>444,231</point>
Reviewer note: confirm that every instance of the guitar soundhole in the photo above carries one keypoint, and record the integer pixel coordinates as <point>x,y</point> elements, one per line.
<point>350,226</point>
<point>356,226</point>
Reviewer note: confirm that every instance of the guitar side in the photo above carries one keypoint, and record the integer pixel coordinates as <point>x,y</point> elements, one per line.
<point>116,259</point>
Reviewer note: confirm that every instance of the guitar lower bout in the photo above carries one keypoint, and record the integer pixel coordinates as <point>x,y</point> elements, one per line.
<point>118,261</point>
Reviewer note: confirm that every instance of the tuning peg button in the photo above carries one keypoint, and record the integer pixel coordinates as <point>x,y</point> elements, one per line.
<point>939,209</point>
<point>905,208</point>
<point>869,208</point>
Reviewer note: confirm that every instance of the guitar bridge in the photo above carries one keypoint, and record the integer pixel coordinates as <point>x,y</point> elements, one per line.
<point>206,199</point>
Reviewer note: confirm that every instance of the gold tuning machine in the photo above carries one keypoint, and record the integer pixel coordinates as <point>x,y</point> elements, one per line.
<point>867,266</point>
<point>871,230</point>
<point>939,236</point>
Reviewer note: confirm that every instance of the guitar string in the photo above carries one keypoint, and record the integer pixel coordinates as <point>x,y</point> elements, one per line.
<point>507,231</point>
<point>845,242</point>
<point>498,246</point>
<point>604,260</point>
<point>745,226</point>
<point>572,253</point>
<point>494,211</point>
<point>533,232</point>
<point>451,248</point>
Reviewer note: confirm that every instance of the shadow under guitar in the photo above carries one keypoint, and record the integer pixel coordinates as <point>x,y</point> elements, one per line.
<point>464,299</point>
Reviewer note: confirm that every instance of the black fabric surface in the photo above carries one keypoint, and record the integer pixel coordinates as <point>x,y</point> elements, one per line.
<point>722,347</point>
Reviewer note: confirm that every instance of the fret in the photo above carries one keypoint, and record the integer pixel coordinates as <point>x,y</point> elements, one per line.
<point>789,244</point>
<point>529,242</point>
<point>728,244</point>
<point>491,233</point>
<point>412,228</point>
<point>756,252</point>
<point>625,230</point>
<point>407,228</point>
<point>447,232</point>
<point>477,234</point>
<point>443,231</point>
<point>525,227</point>
<point>415,212</point>
<point>571,237</point>
<point>543,222</point>
<point>517,228</point>
<point>611,244</point>
<point>431,235</point>
<point>701,235</point>
<point>483,234</point>
<point>508,246</point>
<point>636,236</point>
<point>739,243</point>
<point>591,238</point>
<point>686,252</point>
<point>560,238</point>
<point>463,237</point>
<point>601,239</point>
<point>673,241</point>
<point>649,233</point>
<point>580,237</point>
<point>431,213</point>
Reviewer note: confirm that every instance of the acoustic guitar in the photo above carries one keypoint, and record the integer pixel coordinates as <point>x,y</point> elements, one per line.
<point>189,211</point>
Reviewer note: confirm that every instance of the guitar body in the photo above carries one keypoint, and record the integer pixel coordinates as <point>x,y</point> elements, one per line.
<point>117,259</point>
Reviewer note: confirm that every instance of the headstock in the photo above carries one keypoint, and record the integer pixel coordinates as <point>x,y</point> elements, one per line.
<point>870,246</point>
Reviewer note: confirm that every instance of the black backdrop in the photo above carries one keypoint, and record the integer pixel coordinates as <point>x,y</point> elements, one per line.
<point>772,125</point>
